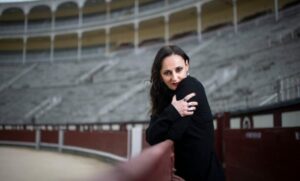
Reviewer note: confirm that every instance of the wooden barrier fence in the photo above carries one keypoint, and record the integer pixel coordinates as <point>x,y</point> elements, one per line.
<point>257,144</point>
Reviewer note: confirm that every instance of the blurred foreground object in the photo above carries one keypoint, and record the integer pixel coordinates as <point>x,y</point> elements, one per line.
<point>154,163</point>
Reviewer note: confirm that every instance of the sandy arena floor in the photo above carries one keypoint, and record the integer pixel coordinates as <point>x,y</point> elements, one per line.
<point>24,164</point>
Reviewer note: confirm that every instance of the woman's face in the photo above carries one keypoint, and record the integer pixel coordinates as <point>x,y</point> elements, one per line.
<point>174,69</point>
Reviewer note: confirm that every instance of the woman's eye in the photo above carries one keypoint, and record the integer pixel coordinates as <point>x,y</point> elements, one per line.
<point>167,73</point>
<point>179,69</point>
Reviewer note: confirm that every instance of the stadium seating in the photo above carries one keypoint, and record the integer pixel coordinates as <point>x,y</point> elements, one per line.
<point>239,70</point>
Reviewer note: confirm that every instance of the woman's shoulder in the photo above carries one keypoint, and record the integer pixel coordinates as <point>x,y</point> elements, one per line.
<point>189,85</point>
<point>190,82</point>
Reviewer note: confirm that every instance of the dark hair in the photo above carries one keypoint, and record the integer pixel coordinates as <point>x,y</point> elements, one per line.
<point>160,94</point>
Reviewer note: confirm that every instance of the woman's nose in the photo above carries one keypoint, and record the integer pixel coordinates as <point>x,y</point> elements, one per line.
<point>174,77</point>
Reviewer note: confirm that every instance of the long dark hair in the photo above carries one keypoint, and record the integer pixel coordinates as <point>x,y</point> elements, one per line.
<point>160,94</point>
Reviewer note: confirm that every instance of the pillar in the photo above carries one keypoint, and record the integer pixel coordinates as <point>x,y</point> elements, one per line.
<point>235,16</point>
<point>136,7</point>
<point>53,10</point>
<point>52,48</point>
<point>60,139</point>
<point>80,17</point>
<point>107,41</point>
<point>136,140</point>
<point>199,22</point>
<point>26,12</point>
<point>108,9</point>
<point>79,46</point>
<point>276,10</point>
<point>167,29</point>
<point>37,138</point>
<point>136,36</point>
<point>24,49</point>
<point>81,4</point>
<point>25,24</point>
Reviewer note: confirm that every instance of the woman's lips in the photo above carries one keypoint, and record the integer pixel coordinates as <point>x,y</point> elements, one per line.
<point>175,84</point>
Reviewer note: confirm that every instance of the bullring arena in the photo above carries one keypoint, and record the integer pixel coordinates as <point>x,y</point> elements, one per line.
<point>29,164</point>
<point>74,78</point>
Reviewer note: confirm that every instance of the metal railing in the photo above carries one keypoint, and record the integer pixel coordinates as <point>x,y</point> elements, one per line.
<point>284,89</point>
<point>97,20</point>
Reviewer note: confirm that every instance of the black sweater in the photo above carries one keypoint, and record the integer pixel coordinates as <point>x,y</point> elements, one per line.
<point>193,136</point>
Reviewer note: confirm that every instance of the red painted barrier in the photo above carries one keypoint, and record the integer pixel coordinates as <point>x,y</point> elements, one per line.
<point>49,137</point>
<point>154,163</point>
<point>108,141</point>
<point>248,154</point>
<point>262,154</point>
<point>17,135</point>
<point>222,122</point>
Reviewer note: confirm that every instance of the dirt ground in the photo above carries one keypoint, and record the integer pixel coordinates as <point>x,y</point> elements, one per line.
<point>24,164</point>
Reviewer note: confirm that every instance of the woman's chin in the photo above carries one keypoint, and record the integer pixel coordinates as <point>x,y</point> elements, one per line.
<point>172,87</point>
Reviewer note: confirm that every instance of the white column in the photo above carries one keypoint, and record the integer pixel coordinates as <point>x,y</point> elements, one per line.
<point>79,47</point>
<point>136,7</point>
<point>52,21</point>
<point>80,6</point>
<point>235,15</point>
<point>60,139</point>
<point>53,10</point>
<point>108,9</point>
<point>199,22</point>
<point>25,24</point>
<point>26,12</point>
<point>276,10</point>
<point>107,41</point>
<point>167,29</point>
<point>136,36</point>
<point>136,140</point>
<point>52,48</point>
<point>37,138</point>
<point>129,140</point>
<point>80,17</point>
<point>24,49</point>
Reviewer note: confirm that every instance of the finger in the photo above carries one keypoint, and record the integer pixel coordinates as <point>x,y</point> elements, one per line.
<point>194,103</point>
<point>188,113</point>
<point>189,96</point>
<point>174,98</point>
<point>191,108</point>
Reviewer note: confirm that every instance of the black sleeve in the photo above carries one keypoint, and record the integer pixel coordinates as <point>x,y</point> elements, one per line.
<point>169,124</point>
<point>189,85</point>
<point>202,113</point>
<point>186,87</point>
<point>159,127</point>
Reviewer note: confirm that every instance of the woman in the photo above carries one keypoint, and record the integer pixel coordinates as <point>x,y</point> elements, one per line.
<point>180,112</point>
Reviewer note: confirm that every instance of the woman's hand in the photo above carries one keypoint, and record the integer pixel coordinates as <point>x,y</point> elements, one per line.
<point>184,107</point>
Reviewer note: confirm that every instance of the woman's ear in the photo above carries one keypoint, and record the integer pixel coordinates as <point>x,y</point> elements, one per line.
<point>187,65</point>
